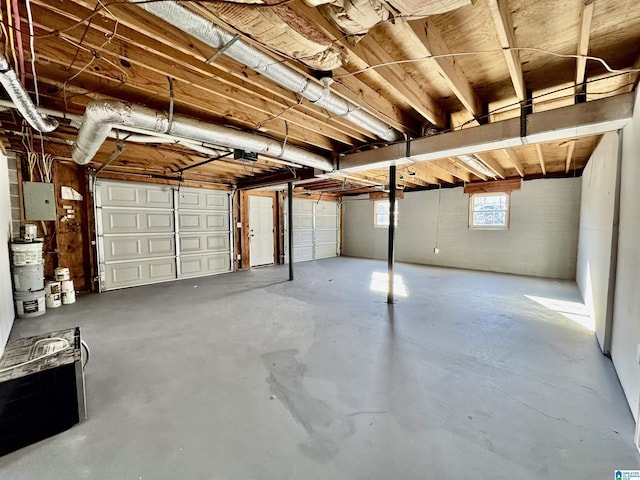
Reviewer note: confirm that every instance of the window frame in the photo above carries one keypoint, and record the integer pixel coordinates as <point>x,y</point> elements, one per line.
<point>375,213</point>
<point>507,211</point>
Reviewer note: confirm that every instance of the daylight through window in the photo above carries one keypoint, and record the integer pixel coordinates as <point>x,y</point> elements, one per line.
<point>489,210</point>
<point>381,213</point>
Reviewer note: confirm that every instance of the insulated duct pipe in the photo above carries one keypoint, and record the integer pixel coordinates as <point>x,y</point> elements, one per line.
<point>22,101</point>
<point>241,51</point>
<point>102,116</point>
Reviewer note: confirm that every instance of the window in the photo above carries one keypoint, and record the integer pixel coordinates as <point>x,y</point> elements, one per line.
<point>381,213</point>
<point>489,210</point>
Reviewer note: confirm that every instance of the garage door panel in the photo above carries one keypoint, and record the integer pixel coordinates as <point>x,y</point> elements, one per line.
<point>140,242</point>
<point>326,236</point>
<point>315,229</point>
<point>302,222</point>
<point>303,238</point>
<point>200,265</point>
<point>198,221</point>
<point>128,274</point>
<point>326,251</point>
<point>328,222</point>
<point>203,200</point>
<point>130,221</point>
<point>213,242</point>
<point>135,195</point>
<point>128,248</point>
<point>326,208</point>
<point>302,206</point>
<point>302,253</point>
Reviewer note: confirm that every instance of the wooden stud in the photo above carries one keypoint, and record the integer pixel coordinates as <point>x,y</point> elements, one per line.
<point>570,148</point>
<point>583,43</point>
<point>515,160</point>
<point>469,168</point>
<point>541,158</point>
<point>504,27</point>
<point>490,162</point>
<point>429,42</point>
<point>454,169</point>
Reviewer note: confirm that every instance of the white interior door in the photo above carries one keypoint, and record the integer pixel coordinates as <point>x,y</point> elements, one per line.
<point>261,230</point>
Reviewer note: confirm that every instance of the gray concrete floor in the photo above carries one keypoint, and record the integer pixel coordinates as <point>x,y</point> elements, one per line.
<point>248,376</point>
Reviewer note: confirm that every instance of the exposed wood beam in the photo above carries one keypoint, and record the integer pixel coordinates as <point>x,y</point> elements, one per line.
<point>429,42</point>
<point>513,157</point>
<point>470,169</point>
<point>493,164</point>
<point>454,169</point>
<point>438,172</point>
<point>583,43</point>
<point>570,148</point>
<point>541,158</point>
<point>583,119</point>
<point>501,14</point>
<point>278,178</point>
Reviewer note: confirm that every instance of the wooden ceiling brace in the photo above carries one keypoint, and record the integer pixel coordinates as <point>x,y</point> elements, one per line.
<point>515,160</point>
<point>501,14</point>
<point>570,148</point>
<point>584,119</point>
<point>583,49</point>
<point>429,42</point>
<point>541,158</point>
<point>492,164</point>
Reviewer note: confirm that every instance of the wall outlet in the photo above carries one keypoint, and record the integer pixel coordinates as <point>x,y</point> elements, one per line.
<point>436,250</point>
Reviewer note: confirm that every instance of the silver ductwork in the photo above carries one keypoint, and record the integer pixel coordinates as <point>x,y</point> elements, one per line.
<point>241,51</point>
<point>22,101</point>
<point>101,117</point>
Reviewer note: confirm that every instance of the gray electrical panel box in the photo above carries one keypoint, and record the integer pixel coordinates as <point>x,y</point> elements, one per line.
<point>39,201</point>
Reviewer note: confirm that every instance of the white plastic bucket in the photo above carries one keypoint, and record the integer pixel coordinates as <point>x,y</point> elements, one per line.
<point>68,292</point>
<point>26,253</point>
<point>62,274</point>
<point>28,278</point>
<point>28,232</point>
<point>53,294</point>
<point>30,304</point>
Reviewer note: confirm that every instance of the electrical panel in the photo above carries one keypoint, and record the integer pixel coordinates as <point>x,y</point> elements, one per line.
<point>39,201</point>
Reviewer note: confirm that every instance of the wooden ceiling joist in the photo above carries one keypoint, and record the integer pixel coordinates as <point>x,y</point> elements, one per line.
<point>429,42</point>
<point>513,158</point>
<point>541,158</point>
<point>583,43</point>
<point>501,14</point>
<point>570,148</point>
<point>490,162</point>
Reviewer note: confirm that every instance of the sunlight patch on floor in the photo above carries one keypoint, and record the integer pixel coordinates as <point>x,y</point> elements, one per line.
<point>379,283</point>
<point>574,311</point>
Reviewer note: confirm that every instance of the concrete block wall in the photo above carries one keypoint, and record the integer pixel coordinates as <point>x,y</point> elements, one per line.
<point>541,241</point>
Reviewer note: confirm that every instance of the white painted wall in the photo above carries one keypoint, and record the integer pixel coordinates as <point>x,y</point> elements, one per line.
<point>6,294</point>
<point>626,309</point>
<point>596,247</point>
<point>541,241</point>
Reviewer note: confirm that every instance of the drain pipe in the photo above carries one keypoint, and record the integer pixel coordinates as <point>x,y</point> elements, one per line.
<point>22,101</point>
<point>241,51</point>
<point>101,117</point>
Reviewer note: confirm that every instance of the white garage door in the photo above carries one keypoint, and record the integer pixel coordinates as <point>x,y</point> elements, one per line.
<point>154,233</point>
<point>315,229</point>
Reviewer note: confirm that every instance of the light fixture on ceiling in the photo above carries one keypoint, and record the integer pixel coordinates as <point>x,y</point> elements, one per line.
<point>477,164</point>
